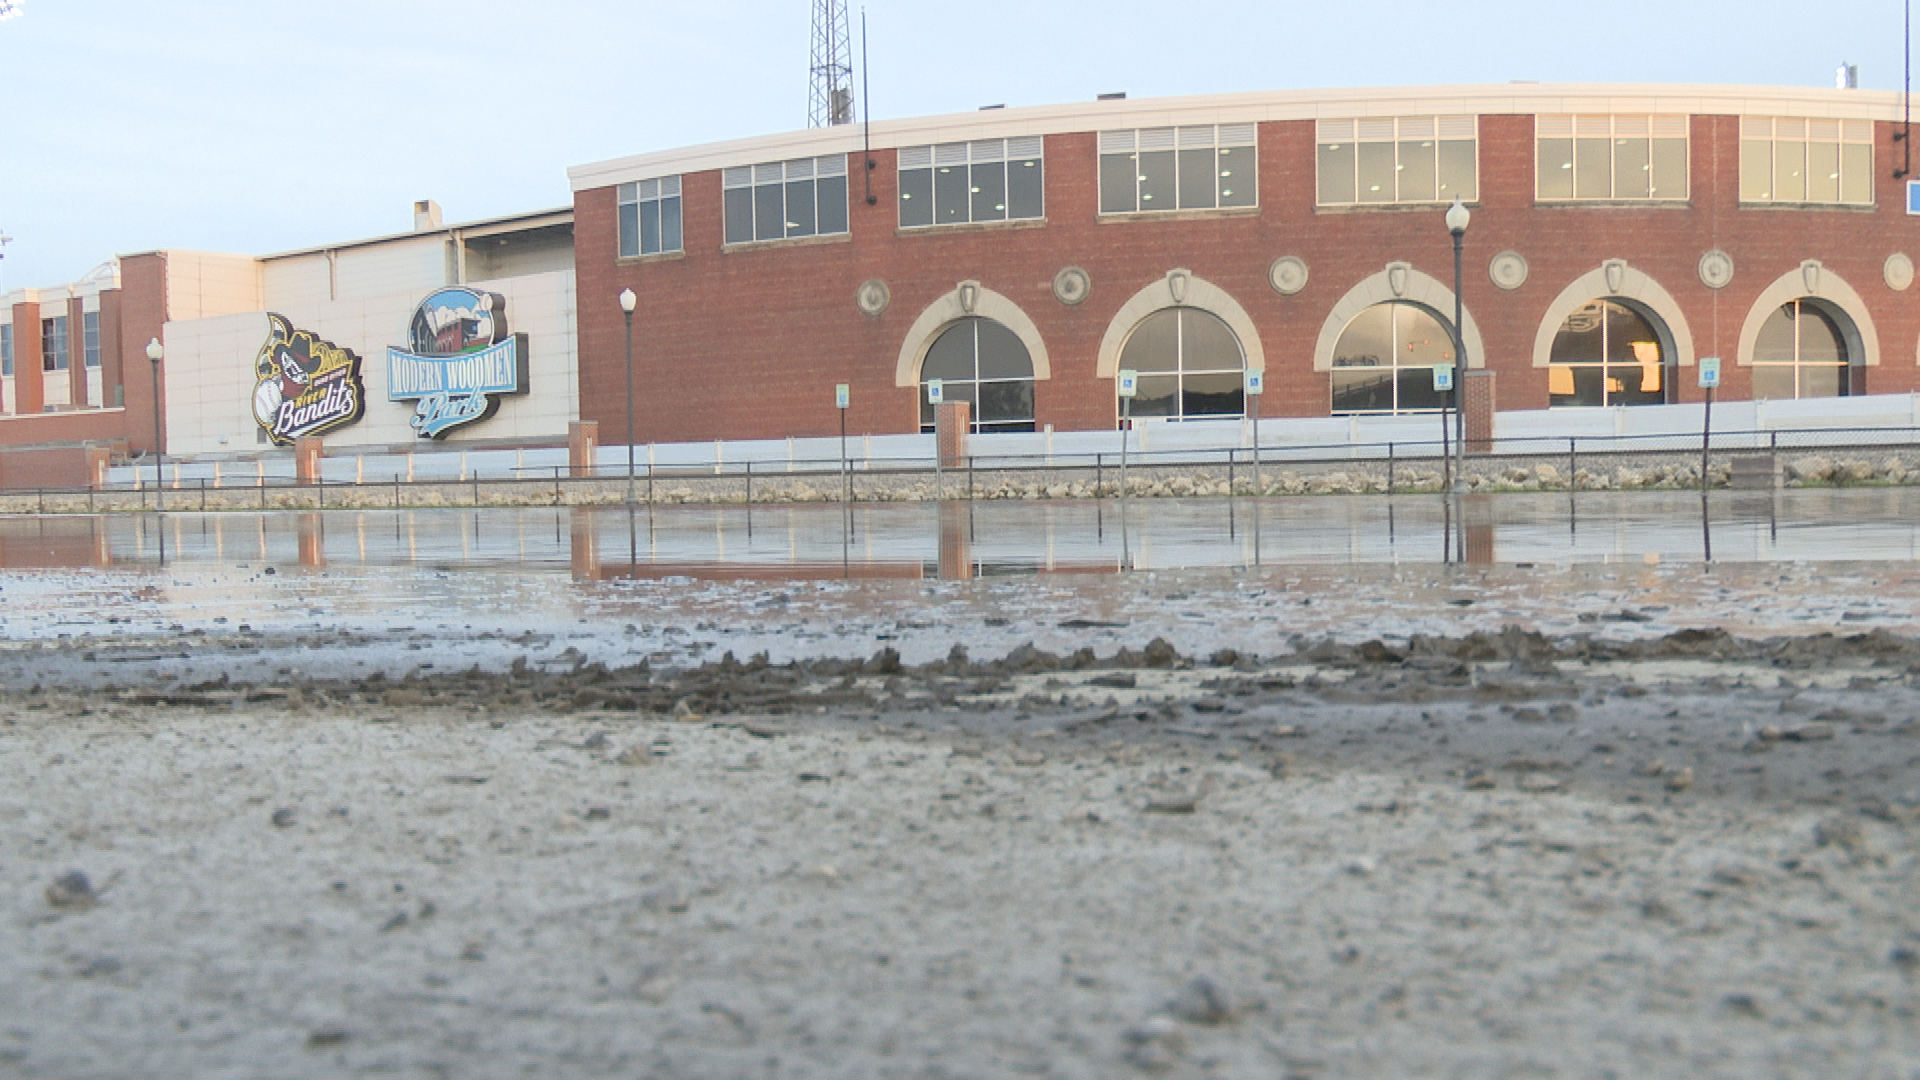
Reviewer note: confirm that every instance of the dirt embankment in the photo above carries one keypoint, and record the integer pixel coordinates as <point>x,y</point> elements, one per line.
<point>1496,855</point>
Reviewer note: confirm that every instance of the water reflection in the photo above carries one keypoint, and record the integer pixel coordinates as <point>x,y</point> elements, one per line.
<point>962,540</point>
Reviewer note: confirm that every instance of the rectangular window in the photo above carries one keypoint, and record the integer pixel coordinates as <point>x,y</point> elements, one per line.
<point>1797,160</point>
<point>6,349</point>
<point>1406,159</point>
<point>785,200</point>
<point>650,217</point>
<point>53,344</point>
<point>1202,167</point>
<point>962,183</point>
<point>1610,158</point>
<point>90,336</point>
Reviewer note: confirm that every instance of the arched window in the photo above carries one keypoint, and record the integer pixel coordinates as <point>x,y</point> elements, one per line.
<point>1383,362</point>
<point>1800,353</point>
<point>981,361</point>
<point>1190,363</point>
<point>1607,353</point>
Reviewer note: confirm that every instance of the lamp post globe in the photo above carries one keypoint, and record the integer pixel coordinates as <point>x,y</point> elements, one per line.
<point>628,301</point>
<point>154,353</point>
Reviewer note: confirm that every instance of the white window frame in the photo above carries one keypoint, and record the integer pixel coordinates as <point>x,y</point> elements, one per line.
<point>659,192</point>
<point>969,155</point>
<point>1775,130</point>
<point>61,358</point>
<point>751,177</point>
<point>1216,137</point>
<point>1614,129</point>
<point>1395,130</point>
<point>90,339</point>
<point>6,350</point>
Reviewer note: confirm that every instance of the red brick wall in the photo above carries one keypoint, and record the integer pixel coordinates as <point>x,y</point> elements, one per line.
<point>749,343</point>
<point>143,312</point>
<point>28,397</point>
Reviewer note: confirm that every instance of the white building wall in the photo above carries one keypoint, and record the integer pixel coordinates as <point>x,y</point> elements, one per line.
<point>201,284</point>
<point>210,367</point>
<point>380,270</point>
<point>299,279</point>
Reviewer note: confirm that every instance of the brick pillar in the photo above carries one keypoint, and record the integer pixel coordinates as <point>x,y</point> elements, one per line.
<point>950,422</point>
<point>1477,394</point>
<point>98,459</point>
<point>307,453</point>
<point>311,529</point>
<point>29,395</point>
<point>583,439</point>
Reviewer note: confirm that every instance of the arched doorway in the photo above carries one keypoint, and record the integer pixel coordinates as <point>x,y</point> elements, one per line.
<point>980,361</point>
<point>1191,366</point>
<point>1608,352</point>
<point>1383,361</point>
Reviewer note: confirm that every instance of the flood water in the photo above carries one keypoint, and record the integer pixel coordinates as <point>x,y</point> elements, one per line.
<point>959,540</point>
<point>354,591</point>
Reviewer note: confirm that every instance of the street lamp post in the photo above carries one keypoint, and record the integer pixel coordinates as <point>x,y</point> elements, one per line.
<point>154,353</point>
<point>627,302</point>
<point>1457,218</point>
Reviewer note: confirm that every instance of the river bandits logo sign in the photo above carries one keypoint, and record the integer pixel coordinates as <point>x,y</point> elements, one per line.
<point>305,386</point>
<point>460,361</point>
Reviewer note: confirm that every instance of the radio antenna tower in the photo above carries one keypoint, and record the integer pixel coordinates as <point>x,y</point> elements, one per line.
<point>831,101</point>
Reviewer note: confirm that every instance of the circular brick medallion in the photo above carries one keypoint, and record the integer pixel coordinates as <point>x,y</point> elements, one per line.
<point>1898,272</point>
<point>1508,270</point>
<point>1072,285</point>
<point>873,296</point>
<point>1716,269</point>
<point>1288,274</point>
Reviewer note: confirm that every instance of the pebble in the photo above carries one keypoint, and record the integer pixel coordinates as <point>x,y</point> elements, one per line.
<point>1028,757</point>
<point>1812,731</point>
<point>283,818</point>
<point>327,1036</point>
<point>635,755</point>
<point>1680,779</point>
<point>664,899</point>
<point>1173,804</point>
<point>1153,1045</point>
<point>72,891</point>
<point>1840,832</point>
<point>1481,781</point>
<point>1203,1001</point>
<point>1540,784</point>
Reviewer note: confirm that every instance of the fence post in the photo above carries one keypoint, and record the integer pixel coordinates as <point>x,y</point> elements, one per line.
<point>203,494</point>
<point>1389,468</point>
<point>969,477</point>
<point>396,491</point>
<point>1099,475</point>
<point>556,485</point>
<point>474,478</point>
<point>1231,489</point>
<point>749,481</point>
<point>1573,462</point>
<point>320,476</point>
<point>263,488</point>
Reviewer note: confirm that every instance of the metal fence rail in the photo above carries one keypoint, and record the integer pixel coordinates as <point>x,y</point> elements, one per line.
<point>1401,462</point>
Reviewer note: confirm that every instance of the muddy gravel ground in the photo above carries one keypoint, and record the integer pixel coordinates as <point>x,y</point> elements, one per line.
<point>1493,855</point>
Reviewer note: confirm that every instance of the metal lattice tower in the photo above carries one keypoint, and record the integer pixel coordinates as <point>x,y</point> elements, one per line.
<point>831,101</point>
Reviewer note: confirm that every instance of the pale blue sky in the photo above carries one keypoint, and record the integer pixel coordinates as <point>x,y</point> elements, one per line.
<point>262,125</point>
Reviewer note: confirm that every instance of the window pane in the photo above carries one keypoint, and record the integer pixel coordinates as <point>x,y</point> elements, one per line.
<point>1419,338</point>
<point>1856,173</point>
<point>1823,380</point>
<point>1774,344</point>
<point>800,209</point>
<point>1459,176</point>
<point>1156,395</point>
<point>630,230</point>
<point>739,203</point>
<point>832,193</point>
<point>1026,191</point>
<point>1212,395</point>
<point>1197,179</point>
<point>1006,402</point>
<point>650,228</point>
<point>769,213</point>
<point>951,355</point>
<point>1638,384</point>
<point>951,201</point>
<point>1592,168</point>
<point>1417,169</point>
<point>1773,382</point>
<point>990,191</point>
<point>1630,337</point>
<point>1119,184</point>
<point>1416,389</point>
<point>1376,172</point>
<point>1823,172</point>
<point>1157,180</point>
<point>670,239</point>
<point>916,197</point>
<point>1239,176</point>
<point>1669,168</point>
<point>1820,340</point>
<point>1632,168</point>
<point>1206,343</point>
<point>1002,355</point>
<point>1554,178</point>
<point>1756,170</point>
<point>1336,173</point>
<point>1582,337</point>
<point>1363,390</point>
<point>1789,170</point>
<point>1368,339</point>
<point>1154,344</point>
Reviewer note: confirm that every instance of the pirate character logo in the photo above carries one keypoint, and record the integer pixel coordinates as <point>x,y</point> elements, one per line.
<point>460,361</point>
<point>305,386</point>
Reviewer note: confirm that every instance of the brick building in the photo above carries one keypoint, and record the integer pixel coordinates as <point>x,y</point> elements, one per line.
<point>1025,256</point>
